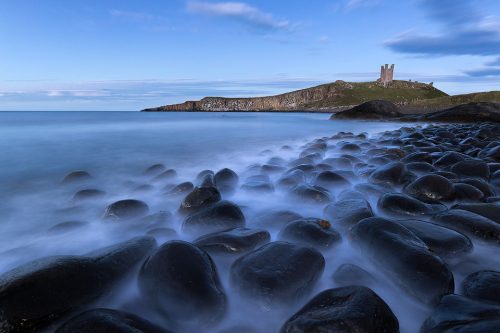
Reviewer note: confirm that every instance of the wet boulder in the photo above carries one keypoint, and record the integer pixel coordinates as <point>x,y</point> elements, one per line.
<point>350,274</point>
<point>109,321</point>
<point>482,286</point>
<point>404,257</point>
<point>440,240</point>
<point>180,189</point>
<point>234,241</point>
<point>481,185</point>
<point>311,194</point>
<point>220,216</point>
<point>310,231</point>
<point>348,212</point>
<point>76,177</point>
<point>488,210</point>
<point>450,158</point>
<point>466,193</point>
<point>398,204</point>
<point>431,188</point>
<point>469,223</point>
<point>155,169</point>
<point>181,280</point>
<point>394,173</point>
<point>348,309</point>
<point>226,178</point>
<point>88,194</point>
<point>473,168</point>
<point>277,272</point>
<point>167,174</point>
<point>459,314</point>
<point>292,179</point>
<point>126,209</point>
<point>36,294</point>
<point>330,179</point>
<point>199,198</point>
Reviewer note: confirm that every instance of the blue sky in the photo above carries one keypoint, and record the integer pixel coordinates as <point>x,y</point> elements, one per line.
<point>132,54</point>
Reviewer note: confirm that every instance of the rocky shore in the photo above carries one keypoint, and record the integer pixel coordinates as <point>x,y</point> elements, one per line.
<point>415,203</point>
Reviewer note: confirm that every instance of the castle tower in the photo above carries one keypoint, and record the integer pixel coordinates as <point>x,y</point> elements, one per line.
<point>386,74</point>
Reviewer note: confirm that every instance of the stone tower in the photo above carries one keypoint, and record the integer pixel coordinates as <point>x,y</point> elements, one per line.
<point>386,74</point>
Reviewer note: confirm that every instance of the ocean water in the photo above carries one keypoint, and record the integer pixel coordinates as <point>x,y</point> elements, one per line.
<point>39,148</point>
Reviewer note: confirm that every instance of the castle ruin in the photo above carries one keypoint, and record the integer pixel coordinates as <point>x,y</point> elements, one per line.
<point>386,74</point>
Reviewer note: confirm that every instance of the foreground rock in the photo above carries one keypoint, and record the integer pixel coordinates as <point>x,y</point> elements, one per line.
<point>348,212</point>
<point>199,198</point>
<point>376,109</point>
<point>310,231</point>
<point>482,285</point>
<point>181,280</point>
<point>126,209</point>
<point>109,321</point>
<point>277,272</point>
<point>404,257</point>
<point>347,309</point>
<point>440,240</point>
<point>458,314</point>
<point>471,112</point>
<point>35,295</point>
<point>234,241</point>
<point>221,216</point>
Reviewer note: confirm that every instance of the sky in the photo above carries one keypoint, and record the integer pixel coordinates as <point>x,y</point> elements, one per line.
<point>131,54</point>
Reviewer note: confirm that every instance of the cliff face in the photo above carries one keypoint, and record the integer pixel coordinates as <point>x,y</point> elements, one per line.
<point>320,98</point>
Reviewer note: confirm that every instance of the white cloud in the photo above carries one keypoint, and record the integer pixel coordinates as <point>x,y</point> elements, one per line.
<point>241,11</point>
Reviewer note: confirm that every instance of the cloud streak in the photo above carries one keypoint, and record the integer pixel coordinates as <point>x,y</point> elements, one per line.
<point>242,12</point>
<point>466,31</point>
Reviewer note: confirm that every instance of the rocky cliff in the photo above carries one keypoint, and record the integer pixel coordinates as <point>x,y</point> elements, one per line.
<point>325,97</point>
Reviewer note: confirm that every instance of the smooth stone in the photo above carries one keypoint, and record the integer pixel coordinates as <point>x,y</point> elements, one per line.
<point>394,173</point>
<point>311,194</point>
<point>466,192</point>
<point>488,210</point>
<point>439,239</point>
<point>470,223</point>
<point>88,194</point>
<point>480,184</point>
<point>405,258</point>
<point>203,174</point>
<point>181,280</point>
<point>157,219</point>
<point>482,286</point>
<point>471,168</point>
<point>38,293</point>
<point>349,274</point>
<point>347,309</point>
<point>220,216</point>
<point>76,176</point>
<point>199,198</point>
<point>155,169</point>
<point>181,189</point>
<point>310,231</point>
<point>331,179</point>
<point>431,188</point>
<point>226,178</point>
<point>348,212</point>
<point>292,179</point>
<point>459,314</point>
<point>234,241</point>
<point>277,272</point>
<point>208,181</point>
<point>450,158</point>
<point>275,219</point>
<point>341,163</point>
<point>420,167</point>
<point>271,169</point>
<point>109,321</point>
<point>398,204</point>
<point>417,157</point>
<point>126,209</point>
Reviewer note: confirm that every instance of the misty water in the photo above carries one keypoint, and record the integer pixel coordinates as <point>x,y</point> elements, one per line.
<point>39,148</point>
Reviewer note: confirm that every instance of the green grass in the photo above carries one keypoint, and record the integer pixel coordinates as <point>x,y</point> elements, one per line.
<point>491,96</point>
<point>400,92</point>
